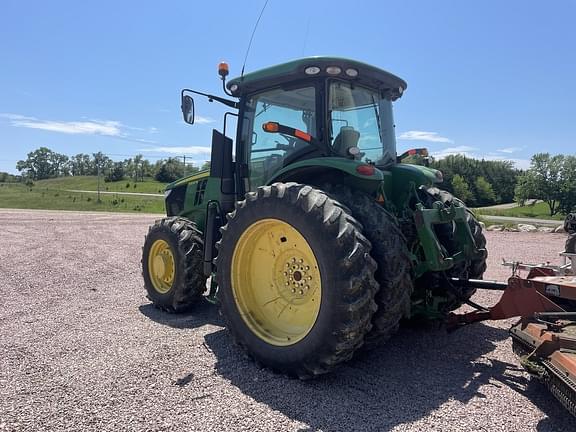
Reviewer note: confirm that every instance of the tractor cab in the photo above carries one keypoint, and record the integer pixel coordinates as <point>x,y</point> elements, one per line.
<point>315,107</point>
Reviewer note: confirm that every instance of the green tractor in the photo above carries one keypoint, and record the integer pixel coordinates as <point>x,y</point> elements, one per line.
<point>317,237</point>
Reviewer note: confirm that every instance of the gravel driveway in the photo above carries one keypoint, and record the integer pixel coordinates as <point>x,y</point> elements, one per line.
<point>82,349</point>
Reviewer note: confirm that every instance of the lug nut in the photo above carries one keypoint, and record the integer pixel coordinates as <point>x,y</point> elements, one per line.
<point>293,290</point>
<point>301,292</point>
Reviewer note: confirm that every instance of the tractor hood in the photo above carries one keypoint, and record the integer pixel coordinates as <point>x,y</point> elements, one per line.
<point>311,67</point>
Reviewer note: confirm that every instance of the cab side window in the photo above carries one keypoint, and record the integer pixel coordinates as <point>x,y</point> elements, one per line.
<point>268,151</point>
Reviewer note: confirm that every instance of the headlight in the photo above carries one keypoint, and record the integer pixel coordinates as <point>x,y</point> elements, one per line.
<point>333,70</point>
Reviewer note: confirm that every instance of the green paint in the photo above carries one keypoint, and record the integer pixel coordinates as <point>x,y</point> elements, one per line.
<point>194,206</point>
<point>293,70</point>
<point>189,179</point>
<point>346,169</point>
<point>435,257</point>
<point>405,179</point>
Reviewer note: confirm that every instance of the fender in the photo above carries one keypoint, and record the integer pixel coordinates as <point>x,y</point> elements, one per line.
<point>316,170</point>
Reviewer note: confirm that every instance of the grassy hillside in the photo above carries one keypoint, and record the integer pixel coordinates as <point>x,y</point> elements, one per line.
<point>539,210</point>
<point>49,198</point>
<point>91,183</point>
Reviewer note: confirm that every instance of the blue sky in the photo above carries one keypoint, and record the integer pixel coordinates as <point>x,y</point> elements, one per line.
<point>493,79</point>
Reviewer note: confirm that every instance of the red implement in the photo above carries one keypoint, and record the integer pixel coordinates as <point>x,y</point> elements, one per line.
<point>545,336</point>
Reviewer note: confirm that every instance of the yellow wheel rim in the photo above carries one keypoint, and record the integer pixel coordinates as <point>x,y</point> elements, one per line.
<point>161,266</point>
<point>276,282</point>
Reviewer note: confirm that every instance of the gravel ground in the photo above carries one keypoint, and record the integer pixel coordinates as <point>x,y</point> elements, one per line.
<point>82,349</point>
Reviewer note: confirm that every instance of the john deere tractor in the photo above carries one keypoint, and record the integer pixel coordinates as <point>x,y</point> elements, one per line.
<point>317,237</point>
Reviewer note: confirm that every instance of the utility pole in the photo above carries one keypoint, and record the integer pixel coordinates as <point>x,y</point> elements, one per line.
<point>184,164</point>
<point>99,183</point>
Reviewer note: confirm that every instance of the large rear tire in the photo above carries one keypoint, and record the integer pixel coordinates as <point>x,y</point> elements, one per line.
<point>172,264</point>
<point>571,244</point>
<point>390,252</point>
<point>296,281</point>
<point>469,269</point>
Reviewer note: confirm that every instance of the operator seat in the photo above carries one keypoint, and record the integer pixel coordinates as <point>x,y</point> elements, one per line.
<point>348,137</point>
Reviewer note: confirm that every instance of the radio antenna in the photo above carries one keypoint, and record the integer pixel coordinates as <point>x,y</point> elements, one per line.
<point>252,37</point>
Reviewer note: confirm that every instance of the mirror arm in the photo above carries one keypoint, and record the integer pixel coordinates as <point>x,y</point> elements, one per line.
<point>211,98</point>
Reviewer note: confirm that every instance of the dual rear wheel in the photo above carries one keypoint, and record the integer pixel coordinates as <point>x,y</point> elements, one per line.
<point>296,279</point>
<point>302,283</point>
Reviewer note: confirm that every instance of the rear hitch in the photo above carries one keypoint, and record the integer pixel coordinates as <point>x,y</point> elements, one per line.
<point>520,298</point>
<point>436,256</point>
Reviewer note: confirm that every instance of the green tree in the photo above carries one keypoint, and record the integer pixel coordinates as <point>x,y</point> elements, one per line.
<point>138,172</point>
<point>484,192</point>
<point>80,165</point>
<point>43,163</point>
<point>7,178</point>
<point>522,190</point>
<point>501,175</point>
<point>169,170</point>
<point>567,201</point>
<point>205,166</point>
<point>544,180</point>
<point>116,173</point>
<point>101,163</point>
<point>146,168</point>
<point>461,188</point>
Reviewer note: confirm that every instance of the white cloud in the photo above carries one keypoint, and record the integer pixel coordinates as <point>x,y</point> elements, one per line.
<point>85,127</point>
<point>203,120</point>
<point>510,150</point>
<point>450,151</point>
<point>188,150</point>
<point>90,127</point>
<point>424,136</point>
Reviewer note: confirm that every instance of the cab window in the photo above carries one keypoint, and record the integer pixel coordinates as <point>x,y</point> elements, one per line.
<point>269,152</point>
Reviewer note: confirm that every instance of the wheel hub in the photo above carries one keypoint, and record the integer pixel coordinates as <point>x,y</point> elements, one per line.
<point>161,266</point>
<point>295,280</point>
<point>276,282</point>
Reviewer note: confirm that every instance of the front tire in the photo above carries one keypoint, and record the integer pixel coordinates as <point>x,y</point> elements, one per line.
<point>172,264</point>
<point>296,281</point>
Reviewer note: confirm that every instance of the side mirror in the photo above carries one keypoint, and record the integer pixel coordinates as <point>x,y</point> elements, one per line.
<point>188,109</point>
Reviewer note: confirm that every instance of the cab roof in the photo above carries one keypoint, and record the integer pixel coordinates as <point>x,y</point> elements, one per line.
<point>294,70</point>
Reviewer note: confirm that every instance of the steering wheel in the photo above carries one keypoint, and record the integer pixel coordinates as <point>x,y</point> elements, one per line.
<point>290,145</point>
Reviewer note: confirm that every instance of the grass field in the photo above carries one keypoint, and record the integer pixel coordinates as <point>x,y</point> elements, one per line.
<point>539,210</point>
<point>91,183</point>
<point>16,195</point>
